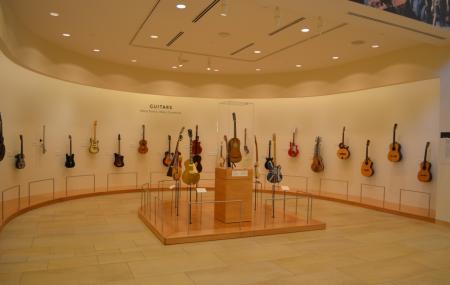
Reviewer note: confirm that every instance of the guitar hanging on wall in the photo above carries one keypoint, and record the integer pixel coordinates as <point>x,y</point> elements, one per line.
<point>196,150</point>
<point>343,152</point>
<point>246,150</point>
<point>174,170</point>
<point>143,148</point>
<point>168,155</point>
<point>190,174</point>
<point>269,159</point>
<point>317,164</point>
<point>367,165</point>
<point>118,157</point>
<point>274,175</point>
<point>42,141</point>
<point>394,154</point>
<point>293,148</point>
<point>2,140</point>
<point>424,174</point>
<point>70,157</point>
<point>93,142</point>
<point>235,145</point>
<point>256,166</point>
<point>20,157</point>
<point>227,148</point>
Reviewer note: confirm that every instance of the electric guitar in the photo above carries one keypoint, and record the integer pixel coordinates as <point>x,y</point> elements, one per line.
<point>227,146</point>
<point>367,165</point>
<point>246,150</point>
<point>221,158</point>
<point>118,157</point>
<point>93,147</point>
<point>190,174</point>
<point>234,145</point>
<point>317,164</point>
<point>70,157</point>
<point>293,148</point>
<point>143,148</point>
<point>269,159</point>
<point>256,166</point>
<point>274,175</point>
<point>20,157</point>
<point>42,141</point>
<point>424,174</point>
<point>196,150</point>
<point>395,154</point>
<point>174,170</point>
<point>168,155</point>
<point>2,140</point>
<point>343,152</point>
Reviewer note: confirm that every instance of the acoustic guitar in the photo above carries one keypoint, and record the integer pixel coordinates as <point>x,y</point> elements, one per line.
<point>70,157</point>
<point>118,157</point>
<point>20,157</point>
<point>395,154</point>
<point>367,165</point>
<point>256,166</point>
<point>343,152</point>
<point>42,141</point>
<point>2,140</point>
<point>143,148</point>
<point>190,174</point>
<point>196,150</point>
<point>317,164</point>
<point>93,146</point>
<point>274,175</point>
<point>246,150</point>
<point>293,148</point>
<point>168,155</point>
<point>424,174</point>
<point>269,159</point>
<point>235,145</point>
<point>174,170</point>
<point>221,158</point>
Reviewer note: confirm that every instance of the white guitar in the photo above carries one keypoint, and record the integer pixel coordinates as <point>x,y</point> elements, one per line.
<point>93,147</point>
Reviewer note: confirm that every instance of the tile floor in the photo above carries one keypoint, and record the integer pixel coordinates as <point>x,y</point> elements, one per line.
<point>100,240</point>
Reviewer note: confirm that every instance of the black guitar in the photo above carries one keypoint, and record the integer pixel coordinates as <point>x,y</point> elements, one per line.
<point>274,175</point>
<point>118,158</point>
<point>70,157</point>
<point>2,140</point>
<point>196,150</point>
<point>269,160</point>
<point>20,157</point>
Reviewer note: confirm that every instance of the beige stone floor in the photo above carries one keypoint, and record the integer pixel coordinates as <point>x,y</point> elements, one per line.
<point>100,240</point>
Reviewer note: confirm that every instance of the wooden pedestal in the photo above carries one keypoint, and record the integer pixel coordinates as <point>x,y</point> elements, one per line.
<point>233,184</point>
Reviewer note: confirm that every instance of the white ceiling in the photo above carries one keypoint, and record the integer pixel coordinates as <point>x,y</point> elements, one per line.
<point>122,29</point>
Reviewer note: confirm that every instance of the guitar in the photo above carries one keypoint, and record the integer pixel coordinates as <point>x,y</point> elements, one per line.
<point>234,145</point>
<point>274,175</point>
<point>70,157</point>
<point>174,170</point>
<point>196,150</point>
<point>367,165</point>
<point>256,166</point>
<point>42,141</point>
<point>317,164</point>
<point>2,140</point>
<point>20,157</point>
<point>190,174</point>
<point>143,148</point>
<point>221,158</point>
<point>293,148</point>
<point>343,152</point>
<point>246,150</point>
<point>424,174</point>
<point>395,154</point>
<point>118,158</point>
<point>93,147</point>
<point>269,159</point>
<point>228,161</point>
<point>168,155</point>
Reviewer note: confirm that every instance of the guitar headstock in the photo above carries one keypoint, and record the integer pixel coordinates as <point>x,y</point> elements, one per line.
<point>318,140</point>
<point>180,135</point>
<point>234,116</point>
<point>21,138</point>
<point>95,123</point>
<point>70,137</point>
<point>427,146</point>
<point>368,143</point>
<point>118,137</point>
<point>395,127</point>
<point>190,134</point>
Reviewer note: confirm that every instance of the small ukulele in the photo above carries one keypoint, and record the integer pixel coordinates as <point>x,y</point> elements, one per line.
<point>317,164</point>
<point>174,170</point>
<point>424,174</point>
<point>70,157</point>
<point>20,157</point>
<point>343,152</point>
<point>367,165</point>
<point>42,141</point>
<point>196,150</point>
<point>256,166</point>
<point>395,154</point>
<point>168,155</point>
<point>190,174</point>
<point>246,150</point>
<point>2,140</point>
<point>269,159</point>
<point>118,157</point>
<point>143,148</point>
<point>93,146</point>
<point>293,148</point>
<point>234,145</point>
<point>274,175</point>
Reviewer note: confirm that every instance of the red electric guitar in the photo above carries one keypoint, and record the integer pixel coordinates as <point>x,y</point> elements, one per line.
<point>293,148</point>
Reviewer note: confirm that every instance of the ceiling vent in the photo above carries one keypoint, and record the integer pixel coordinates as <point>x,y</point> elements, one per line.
<point>241,49</point>
<point>287,26</point>
<point>205,11</point>
<point>174,39</point>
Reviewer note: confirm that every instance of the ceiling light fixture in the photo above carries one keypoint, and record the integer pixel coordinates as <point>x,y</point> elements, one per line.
<point>181,6</point>
<point>298,65</point>
<point>257,51</point>
<point>258,69</point>
<point>174,67</point>
<point>224,8</point>
<point>54,14</point>
<point>154,36</point>
<point>65,35</point>
<point>96,50</point>
<point>375,46</point>
<point>208,64</point>
<point>335,57</point>
<point>216,70</point>
<point>305,30</point>
<point>134,60</point>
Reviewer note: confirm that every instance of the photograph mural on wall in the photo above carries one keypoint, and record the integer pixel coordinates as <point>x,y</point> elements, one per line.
<point>433,12</point>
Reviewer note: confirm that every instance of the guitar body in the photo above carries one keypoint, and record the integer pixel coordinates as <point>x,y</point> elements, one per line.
<point>269,163</point>
<point>367,168</point>
<point>20,161</point>
<point>176,169</point>
<point>424,174</point>
<point>2,148</point>
<point>293,150</point>
<point>167,158</point>
<point>190,174</point>
<point>343,152</point>
<point>143,148</point>
<point>317,164</point>
<point>274,175</point>
<point>196,147</point>
<point>198,162</point>
<point>235,150</point>
<point>395,154</point>
<point>118,160</point>
<point>93,146</point>
<point>70,161</point>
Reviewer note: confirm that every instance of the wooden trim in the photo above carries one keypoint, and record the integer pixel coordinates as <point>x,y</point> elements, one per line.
<point>441,222</point>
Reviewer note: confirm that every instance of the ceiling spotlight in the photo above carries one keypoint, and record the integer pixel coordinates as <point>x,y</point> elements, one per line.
<point>216,70</point>
<point>180,65</point>
<point>208,68</point>
<point>305,30</point>
<point>65,35</point>
<point>96,50</point>
<point>224,8</point>
<point>133,60</point>
<point>298,65</point>
<point>375,46</point>
<point>257,51</point>
<point>335,57</point>
<point>54,14</point>
<point>174,67</point>
<point>258,69</point>
<point>181,6</point>
<point>154,36</point>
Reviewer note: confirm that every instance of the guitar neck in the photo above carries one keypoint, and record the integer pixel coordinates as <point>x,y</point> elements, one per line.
<point>256,149</point>
<point>169,143</point>
<point>274,149</point>
<point>190,150</point>
<point>367,150</point>
<point>143,132</point>
<point>245,136</point>
<point>426,152</point>
<point>95,131</point>
<point>21,145</point>
<point>393,135</point>
<point>234,123</point>
<point>343,135</point>
<point>119,143</point>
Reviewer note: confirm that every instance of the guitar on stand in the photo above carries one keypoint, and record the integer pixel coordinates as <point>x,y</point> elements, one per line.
<point>269,159</point>
<point>196,149</point>
<point>118,157</point>
<point>42,141</point>
<point>174,170</point>
<point>424,174</point>
<point>20,157</point>
<point>234,145</point>
<point>317,164</point>
<point>2,140</point>
<point>93,146</point>
<point>256,166</point>
<point>274,176</point>
<point>367,165</point>
<point>246,150</point>
<point>395,154</point>
<point>221,158</point>
<point>293,148</point>
<point>227,146</point>
<point>168,155</point>
<point>190,174</point>
<point>143,148</point>
<point>343,152</point>
<point>70,157</point>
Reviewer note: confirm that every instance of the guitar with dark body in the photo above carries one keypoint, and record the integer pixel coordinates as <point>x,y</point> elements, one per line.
<point>196,150</point>
<point>227,152</point>
<point>234,145</point>
<point>395,154</point>
<point>424,174</point>
<point>317,164</point>
<point>70,157</point>
<point>269,159</point>
<point>174,170</point>
<point>256,165</point>
<point>293,148</point>
<point>20,157</point>
<point>168,155</point>
<point>274,175</point>
<point>2,140</point>
<point>367,165</point>
<point>118,157</point>
<point>143,148</point>
<point>343,152</point>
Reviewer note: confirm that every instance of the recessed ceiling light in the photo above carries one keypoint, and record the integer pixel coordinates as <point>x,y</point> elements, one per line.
<point>258,69</point>
<point>65,35</point>
<point>305,30</point>
<point>181,6</point>
<point>174,67</point>
<point>96,50</point>
<point>216,70</point>
<point>180,65</point>
<point>375,46</point>
<point>208,68</point>
<point>54,14</point>
<point>256,51</point>
<point>154,36</point>
<point>335,57</point>
<point>298,65</point>
<point>134,60</point>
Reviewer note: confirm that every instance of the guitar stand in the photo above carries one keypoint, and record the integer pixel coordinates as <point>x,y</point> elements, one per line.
<point>256,191</point>
<point>177,195</point>
<point>190,204</point>
<point>273,200</point>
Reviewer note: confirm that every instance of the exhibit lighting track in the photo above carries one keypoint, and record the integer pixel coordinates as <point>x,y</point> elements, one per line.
<point>286,26</point>
<point>205,11</point>
<point>241,49</point>
<point>174,39</point>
